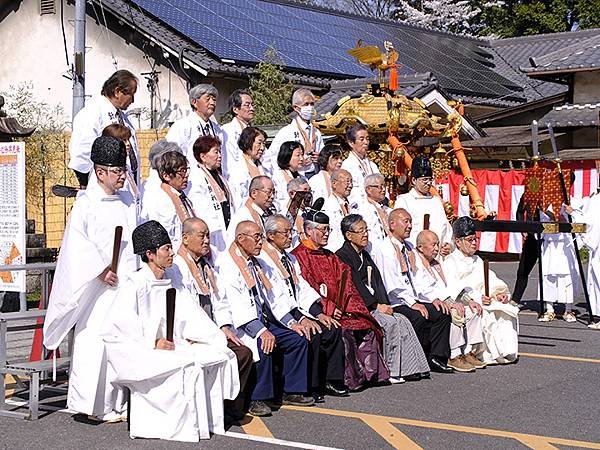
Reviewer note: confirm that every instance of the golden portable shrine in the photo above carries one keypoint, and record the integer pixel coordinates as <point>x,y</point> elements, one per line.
<point>395,123</point>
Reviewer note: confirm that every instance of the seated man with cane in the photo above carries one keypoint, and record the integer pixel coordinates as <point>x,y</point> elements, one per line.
<point>171,356</point>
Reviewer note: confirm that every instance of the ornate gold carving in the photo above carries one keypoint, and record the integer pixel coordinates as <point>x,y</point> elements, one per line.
<point>578,228</point>
<point>550,228</point>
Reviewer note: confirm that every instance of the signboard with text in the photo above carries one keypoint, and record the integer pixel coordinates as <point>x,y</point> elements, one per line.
<point>12,214</point>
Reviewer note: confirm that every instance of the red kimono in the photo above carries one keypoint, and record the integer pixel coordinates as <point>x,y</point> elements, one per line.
<point>361,333</point>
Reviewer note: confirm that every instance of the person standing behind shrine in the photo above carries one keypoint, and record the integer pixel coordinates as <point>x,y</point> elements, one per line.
<point>212,191</point>
<point>241,107</point>
<point>252,145</point>
<point>302,130</point>
<point>419,201</point>
<point>401,348</point>
<point>169,205</point>
<point>84,283</point>
<point>289,159</point>
<point>329,160</point>
<point>358,163</point>
<point>116,96</point>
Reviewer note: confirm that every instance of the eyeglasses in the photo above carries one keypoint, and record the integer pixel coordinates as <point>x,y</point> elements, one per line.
<point>287,232</point>
<point>247,105</point>
<point>362,232</point>
<point>269,192</point>
<point>183,172</point>
<point>471,239</point>
<point>425,179</point>
<point>256,236</point>
<point>118,171</point>
<point>323,230</point>
<point>377,186</point>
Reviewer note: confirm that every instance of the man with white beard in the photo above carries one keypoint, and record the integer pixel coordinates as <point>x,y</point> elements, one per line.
<point>500,316</point>
<point>431,283</point>
<point>85,285</point>
<point>178,383</point>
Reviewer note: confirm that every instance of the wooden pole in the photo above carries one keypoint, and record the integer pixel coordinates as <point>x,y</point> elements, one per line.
<point>114,264</point>
<point>171,293</point>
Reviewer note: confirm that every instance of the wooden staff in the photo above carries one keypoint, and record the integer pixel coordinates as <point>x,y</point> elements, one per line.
<point>486,277</point>
<point>426,221</point>
<point>341,291</point>
<point>116,248</point>
<point>170,313</point>
<point>369,271</point>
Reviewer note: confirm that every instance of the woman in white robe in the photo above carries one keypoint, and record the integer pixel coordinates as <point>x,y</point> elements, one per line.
<point>330,159</point>
<point>289,159</point>
<point>211,192</point>
<point>252,144</point>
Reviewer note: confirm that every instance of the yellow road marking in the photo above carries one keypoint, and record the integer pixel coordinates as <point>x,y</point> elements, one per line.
<point>255,426</point>
<point>531,440</point>
<point>390,433</point>
<point>565,358</point>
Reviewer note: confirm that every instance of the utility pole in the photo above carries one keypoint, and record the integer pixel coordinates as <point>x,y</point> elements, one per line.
<point>78,69</point>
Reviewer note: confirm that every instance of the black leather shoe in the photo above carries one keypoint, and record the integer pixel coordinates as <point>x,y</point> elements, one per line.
<point>259,409</point>
<point>319,398</point>
<point>425,376</point>
<point>297,400</point>
<point>335,390</point>
<point>438,366</point>
<point>412,377</point>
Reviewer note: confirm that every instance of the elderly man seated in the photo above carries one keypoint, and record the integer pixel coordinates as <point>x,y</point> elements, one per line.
<point>396,260</point>
<point>500,316</point>
<point>403,353</point>
<point>466,330</point>
<point>295,305</point>
<point>246,288</point>
<point>329,276</point>
<point>257,206</point>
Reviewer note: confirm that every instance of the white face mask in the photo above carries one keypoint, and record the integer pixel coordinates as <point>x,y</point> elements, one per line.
<point>307,112</point>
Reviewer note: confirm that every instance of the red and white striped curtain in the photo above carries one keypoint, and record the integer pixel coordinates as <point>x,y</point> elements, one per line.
<point>501,191</point>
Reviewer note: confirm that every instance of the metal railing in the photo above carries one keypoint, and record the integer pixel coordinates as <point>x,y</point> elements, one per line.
<point>45,268</point>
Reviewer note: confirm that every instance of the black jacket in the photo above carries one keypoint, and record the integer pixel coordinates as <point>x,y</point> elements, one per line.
<point>359,275</point>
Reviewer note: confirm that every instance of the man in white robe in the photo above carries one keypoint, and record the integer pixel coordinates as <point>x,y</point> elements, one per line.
<point>374,212</point>
<point>396,260</point>
<point>302,130</point>
<point>500,316</point>
<point>466,331</point>
<point>257,207</point>
<point>168,204</point>
<point>241,107</point>
<point>295,305</point>
<point>117,95</point>
<point>358,163</point>
<point>177,383</point>
<point>337,206</point>
<point>246,288</point>
<point>84,285</point>
<point>560,271</point>
<point>419,201</point>
<point>193,271</point>
<point>589,215</point>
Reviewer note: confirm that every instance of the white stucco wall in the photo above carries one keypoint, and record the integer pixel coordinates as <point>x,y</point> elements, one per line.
<point>32,49</point>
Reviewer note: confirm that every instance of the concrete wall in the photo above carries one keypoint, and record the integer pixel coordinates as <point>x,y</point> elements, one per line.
<point>32,49</point>
<point>587,87</point>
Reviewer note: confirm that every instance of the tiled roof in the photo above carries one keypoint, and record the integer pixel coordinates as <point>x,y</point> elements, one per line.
<point>569,116</point>
<point>512,54</point>
<point>578,56</point>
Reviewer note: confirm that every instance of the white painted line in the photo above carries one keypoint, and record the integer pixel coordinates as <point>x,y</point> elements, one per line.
<point>276,441</point>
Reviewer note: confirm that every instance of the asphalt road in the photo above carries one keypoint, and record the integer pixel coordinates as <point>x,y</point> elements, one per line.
<point>549,399</point>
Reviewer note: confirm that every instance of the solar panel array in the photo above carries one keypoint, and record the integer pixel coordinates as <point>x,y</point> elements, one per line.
<point>315,40</point>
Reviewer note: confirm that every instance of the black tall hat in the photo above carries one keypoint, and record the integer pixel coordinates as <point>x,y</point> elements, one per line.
<point>314,213</point>
<point>109,151</point>
<point>149,236</point>
<point>421,167</point>
<point>463,226</point>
